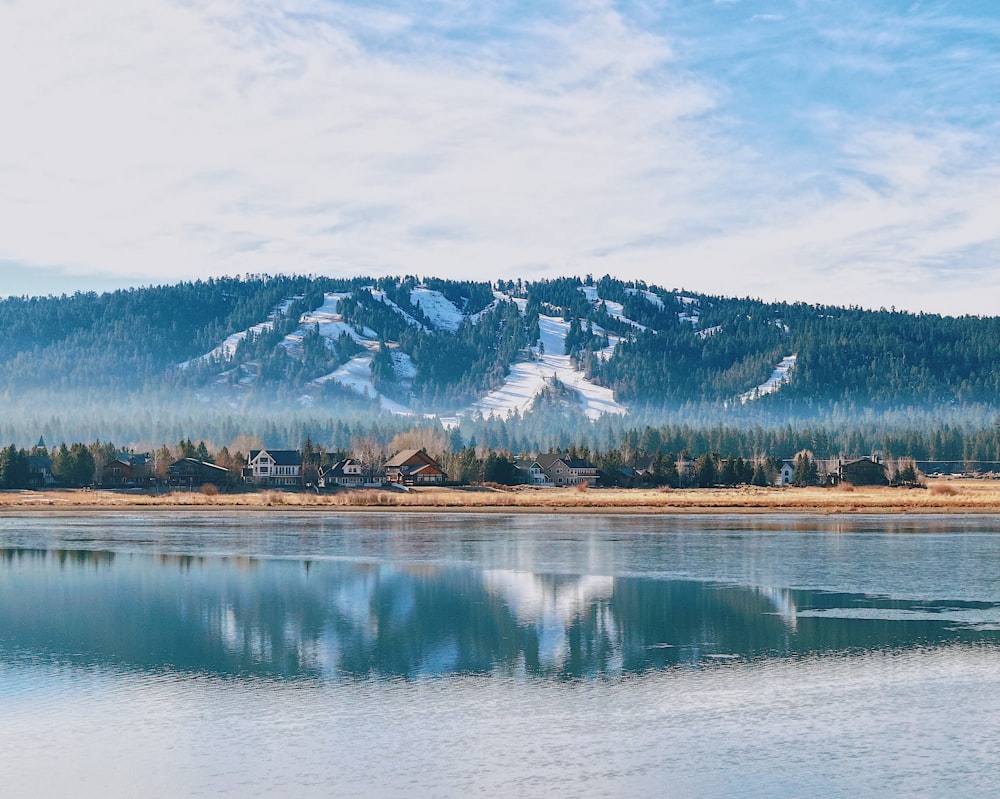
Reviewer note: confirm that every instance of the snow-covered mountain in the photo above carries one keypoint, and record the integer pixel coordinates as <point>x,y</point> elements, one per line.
<point>454,349</point>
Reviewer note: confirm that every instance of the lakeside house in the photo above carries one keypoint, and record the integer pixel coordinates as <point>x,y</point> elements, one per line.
<point>194,473</point>
<point>864,472</point>
<point>414,467</point>
<point>126,470</point>
<point>274,467</point>
<point>530,472</point>
<point>40,471</point>
<point>348,473</point>
<point>553,469</point>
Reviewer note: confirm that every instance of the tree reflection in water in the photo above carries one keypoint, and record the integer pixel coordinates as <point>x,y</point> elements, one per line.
<point>233,616</point>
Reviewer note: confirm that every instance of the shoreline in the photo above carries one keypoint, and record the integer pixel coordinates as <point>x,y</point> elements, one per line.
<point>967,497</point>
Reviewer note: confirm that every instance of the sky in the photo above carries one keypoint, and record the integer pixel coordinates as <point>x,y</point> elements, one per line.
<point>805,150</point>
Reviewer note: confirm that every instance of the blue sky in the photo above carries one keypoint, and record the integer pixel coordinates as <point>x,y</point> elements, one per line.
<point>835,152</point>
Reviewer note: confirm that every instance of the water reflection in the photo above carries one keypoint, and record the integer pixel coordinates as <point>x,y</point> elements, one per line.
<point>241,616</point>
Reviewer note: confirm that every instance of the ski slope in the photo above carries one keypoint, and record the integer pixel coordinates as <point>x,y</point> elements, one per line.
<point>655,299</point>
<point>227,348</point>
<point>441,311</point>
<point>782,374</point>
<point>331,325</point>
<point>528,378</point>
<point>356,375</point>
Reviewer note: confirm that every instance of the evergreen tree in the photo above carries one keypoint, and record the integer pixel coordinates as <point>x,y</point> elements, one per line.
<point>806,472</point>
<point>705,471</point>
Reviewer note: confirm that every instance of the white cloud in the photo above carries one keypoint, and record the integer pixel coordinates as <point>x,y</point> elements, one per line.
<point>166,140</point>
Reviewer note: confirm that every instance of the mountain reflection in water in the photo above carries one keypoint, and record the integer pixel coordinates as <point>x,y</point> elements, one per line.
<point>330,619</point>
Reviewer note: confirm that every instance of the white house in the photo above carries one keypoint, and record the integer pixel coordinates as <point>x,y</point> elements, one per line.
<point>274,467</point>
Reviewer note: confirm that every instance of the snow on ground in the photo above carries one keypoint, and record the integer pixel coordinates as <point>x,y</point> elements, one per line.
<point>379,295</point>
<point>613,341</point>
<point>527,379</point>
<point>356,375</point>
<point>590,292</point>
<point>403,366</point>
<point>709,331</point>
<point>441,311</point>
<point>228,347</point>
<point>331,325</point>
<point>498,297</point>
<point>615,309</point>
<point>782,374</point>
<point>655,299</point>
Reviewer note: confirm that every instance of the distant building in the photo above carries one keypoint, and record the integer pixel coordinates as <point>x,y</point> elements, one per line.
<point>193,473</point>
<point>40,471</point>
<point>414,467</point>
<point>126,471</point>
<point>348,473</point>
<point>562,470</point>
<point>274,467</point>
<point>685,471</point>
<point>530,472</point>
<point>864,472</point>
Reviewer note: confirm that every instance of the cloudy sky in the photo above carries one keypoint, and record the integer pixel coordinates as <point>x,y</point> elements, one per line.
<point>839,152</point>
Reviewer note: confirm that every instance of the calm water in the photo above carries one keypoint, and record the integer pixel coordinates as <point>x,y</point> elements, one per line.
<point>454,655</point>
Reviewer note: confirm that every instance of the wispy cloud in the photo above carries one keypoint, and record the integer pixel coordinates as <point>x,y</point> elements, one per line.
<point>171,140</point>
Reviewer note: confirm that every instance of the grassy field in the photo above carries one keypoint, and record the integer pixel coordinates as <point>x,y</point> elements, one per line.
<point>941,496</point>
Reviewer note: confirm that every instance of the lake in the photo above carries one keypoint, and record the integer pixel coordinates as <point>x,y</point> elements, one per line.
<point>409,655</point>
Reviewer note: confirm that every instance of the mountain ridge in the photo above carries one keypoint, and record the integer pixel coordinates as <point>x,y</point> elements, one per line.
<point>458,348</point>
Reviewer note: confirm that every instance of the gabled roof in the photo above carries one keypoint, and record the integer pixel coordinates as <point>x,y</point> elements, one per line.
<point>196,462</point>
<point>281,457</point>
<point>337,470</point>
<point>427,468</point>
<point>546,461</point>
<point>866,461</point>
<point>410,457</point>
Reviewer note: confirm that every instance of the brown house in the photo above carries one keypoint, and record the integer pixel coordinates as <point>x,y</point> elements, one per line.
<point>126,471</point>
<point>414,467</point>
<point>864,472</point>
<point>193,473</point>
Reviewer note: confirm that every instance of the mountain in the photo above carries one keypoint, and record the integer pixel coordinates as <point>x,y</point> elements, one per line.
<point>453,349</point>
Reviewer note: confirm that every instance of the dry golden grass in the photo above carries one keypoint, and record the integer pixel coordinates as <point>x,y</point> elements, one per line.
<point>956,496</point>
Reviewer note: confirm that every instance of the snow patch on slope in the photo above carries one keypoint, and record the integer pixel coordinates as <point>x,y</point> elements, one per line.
<point>441,311</point>
<point>527,379</point>
<point>331,326</point>
<point>615,309</point>
<point>782,374</point>
<point>356,375</point>
<point>655,299</point>
<point>379,295</point>
<point>227,348</point>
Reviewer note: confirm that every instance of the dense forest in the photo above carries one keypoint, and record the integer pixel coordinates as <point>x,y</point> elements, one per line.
<point>273,356</point>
